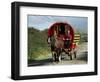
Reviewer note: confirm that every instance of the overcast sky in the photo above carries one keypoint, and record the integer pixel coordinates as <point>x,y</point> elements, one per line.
<point>42,22</point>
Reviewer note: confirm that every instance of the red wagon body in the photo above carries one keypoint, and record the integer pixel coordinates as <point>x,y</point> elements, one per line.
<point>64,33</point>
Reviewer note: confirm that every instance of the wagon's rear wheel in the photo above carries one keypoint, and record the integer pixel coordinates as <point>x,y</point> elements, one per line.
<point>73,55</point>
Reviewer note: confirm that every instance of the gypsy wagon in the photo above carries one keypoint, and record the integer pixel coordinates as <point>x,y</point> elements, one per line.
<point>61,38</point>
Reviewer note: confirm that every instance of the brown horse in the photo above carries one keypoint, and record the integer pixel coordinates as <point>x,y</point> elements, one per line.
<point>58,47</point>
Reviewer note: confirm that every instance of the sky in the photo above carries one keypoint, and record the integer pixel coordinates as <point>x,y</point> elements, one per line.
<point>42,22</point>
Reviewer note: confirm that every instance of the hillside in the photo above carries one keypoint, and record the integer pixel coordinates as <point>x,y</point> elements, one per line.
<point>37,43</point>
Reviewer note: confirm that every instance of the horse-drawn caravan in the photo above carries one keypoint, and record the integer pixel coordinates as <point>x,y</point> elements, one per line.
<point>62,40</point>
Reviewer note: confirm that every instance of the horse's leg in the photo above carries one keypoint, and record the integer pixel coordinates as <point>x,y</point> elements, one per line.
<point>62,51</point>
<point>52,57</point>
<point>70,55</point>
<point>59,55</point>
<point>59,58</point>
<point>75,52</point>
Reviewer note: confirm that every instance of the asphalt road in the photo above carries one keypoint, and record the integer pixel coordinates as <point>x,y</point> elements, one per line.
<point>82,58</point>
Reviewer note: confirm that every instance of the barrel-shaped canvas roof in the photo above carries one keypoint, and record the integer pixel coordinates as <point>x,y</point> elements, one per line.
<point>66,25</point>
